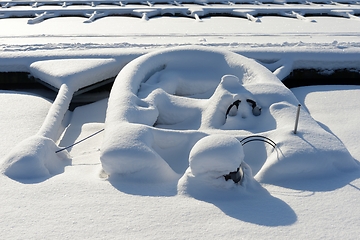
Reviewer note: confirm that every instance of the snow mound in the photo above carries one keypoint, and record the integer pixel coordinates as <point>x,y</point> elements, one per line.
<point>75,73</point>
<point>216,153</point>
<point>207,187</point>
<point>311,153</point>
<point>210,160</point>
<point>135,158</point>
<point>164,102</point>
<point>34,158</point>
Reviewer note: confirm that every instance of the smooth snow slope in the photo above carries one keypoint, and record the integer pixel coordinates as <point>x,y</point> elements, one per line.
<point>28,112</point>
<point>78,205</point>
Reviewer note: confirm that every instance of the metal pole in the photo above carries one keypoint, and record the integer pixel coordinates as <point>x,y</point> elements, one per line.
<point>297,118</point>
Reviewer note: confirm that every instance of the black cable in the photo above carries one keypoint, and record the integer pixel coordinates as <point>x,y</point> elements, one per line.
<point>271,142</point>
<point>261,140</point>
<point>62,149</point>
<point>236,103</point>
<point>258,136</point>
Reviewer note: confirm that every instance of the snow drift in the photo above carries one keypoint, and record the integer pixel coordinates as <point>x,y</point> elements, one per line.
<point>35,159</point>
<point>164,102</point>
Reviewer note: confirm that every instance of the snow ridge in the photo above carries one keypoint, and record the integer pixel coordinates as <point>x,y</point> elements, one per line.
<point>92,10</point>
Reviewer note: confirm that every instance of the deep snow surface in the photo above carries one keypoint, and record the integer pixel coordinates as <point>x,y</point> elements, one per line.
<point>299,192</point>
<point>80,202</point>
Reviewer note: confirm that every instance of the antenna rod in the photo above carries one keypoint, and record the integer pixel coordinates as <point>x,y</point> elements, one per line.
<point>297,118</point>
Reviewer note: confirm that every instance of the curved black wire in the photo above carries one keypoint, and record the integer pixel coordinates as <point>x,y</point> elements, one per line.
<point>236,103</point>
<point>258,136</point>
<point>261,140</point>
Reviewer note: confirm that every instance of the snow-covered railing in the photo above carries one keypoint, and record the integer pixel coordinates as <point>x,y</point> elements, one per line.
<point>37,3</point>
<point>92,10</point>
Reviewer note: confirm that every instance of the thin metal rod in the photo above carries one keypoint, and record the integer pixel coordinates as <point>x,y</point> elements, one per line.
<point>297,118</point>
<point>62,149</point>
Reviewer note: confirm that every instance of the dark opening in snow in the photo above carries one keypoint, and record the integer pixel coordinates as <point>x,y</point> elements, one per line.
<point>23,81</point>
<point>310,77</point>
<point>18,81</point>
